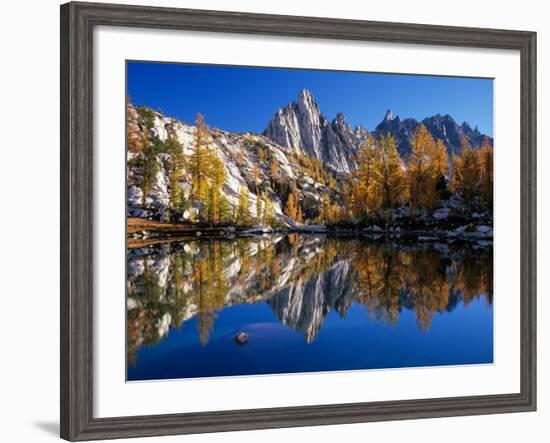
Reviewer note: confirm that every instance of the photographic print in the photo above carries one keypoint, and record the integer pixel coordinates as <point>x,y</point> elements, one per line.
<point>291,220</point>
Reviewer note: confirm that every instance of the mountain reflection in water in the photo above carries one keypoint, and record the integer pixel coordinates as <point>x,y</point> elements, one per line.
<point>303,280</point>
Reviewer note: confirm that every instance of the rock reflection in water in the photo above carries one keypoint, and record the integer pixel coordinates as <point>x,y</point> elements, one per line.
<point>302,278</point>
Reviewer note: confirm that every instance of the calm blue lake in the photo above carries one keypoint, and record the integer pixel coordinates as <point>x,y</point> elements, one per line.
<point>303,303</point>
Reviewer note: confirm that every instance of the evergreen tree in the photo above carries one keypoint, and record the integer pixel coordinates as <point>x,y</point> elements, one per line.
<point>143,144</point>
<point>175,169</point>
<point>150,169</point>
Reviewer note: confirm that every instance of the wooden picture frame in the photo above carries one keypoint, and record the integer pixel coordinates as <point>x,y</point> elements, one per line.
<point>77,213</point>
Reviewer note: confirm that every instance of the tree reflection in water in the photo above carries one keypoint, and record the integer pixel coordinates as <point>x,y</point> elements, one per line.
<point>301,277</point>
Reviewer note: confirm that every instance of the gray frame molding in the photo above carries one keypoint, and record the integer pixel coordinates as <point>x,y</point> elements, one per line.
<point>77,24</point>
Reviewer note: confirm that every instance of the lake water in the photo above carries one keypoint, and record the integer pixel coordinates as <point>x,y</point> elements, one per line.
<point>305,303</point>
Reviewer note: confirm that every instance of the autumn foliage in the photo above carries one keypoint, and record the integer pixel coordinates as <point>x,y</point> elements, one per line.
<point>383,180</point>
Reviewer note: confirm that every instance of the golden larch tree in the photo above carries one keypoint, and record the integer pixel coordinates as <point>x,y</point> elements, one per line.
<point>134,137</point>
<point>324,213</point>
<point>261,154</point>
<point>365,192</point>
<point>389,172</point>
<point>421,175</point>
<point>200,159</point>
<point>217,205</point>
<point>256,176</point>
<point>441,158</point>
<point>274,170</point>
<point>299,215</point>
<point>291,206</point>
<point>269,214</point>
<point>466,172</point>
<point>241,160</point>
<point>243,210</point>
<point>486,165</point>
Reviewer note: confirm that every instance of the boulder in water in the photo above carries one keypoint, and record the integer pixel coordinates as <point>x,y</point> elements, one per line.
<point>241,338</point>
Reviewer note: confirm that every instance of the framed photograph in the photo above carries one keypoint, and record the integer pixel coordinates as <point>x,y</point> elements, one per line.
<point>272,221</point>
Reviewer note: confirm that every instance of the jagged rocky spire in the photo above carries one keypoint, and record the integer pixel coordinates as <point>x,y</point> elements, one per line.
<point>302,126</point>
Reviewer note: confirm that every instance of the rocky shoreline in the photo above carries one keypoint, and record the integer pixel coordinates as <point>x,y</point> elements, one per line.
<point>154,232</point>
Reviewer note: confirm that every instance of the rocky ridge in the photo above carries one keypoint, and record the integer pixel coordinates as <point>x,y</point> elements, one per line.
<point>239,152</point>
<point>441,127</point>
<point>302,126</point>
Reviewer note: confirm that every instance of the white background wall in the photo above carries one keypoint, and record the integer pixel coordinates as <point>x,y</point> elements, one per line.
<point>29,227</point>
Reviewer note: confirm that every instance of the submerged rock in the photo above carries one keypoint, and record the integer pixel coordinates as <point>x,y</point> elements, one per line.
<point>241,338</point>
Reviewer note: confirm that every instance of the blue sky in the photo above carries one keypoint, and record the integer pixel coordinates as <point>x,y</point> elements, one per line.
<point>240,99</point>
